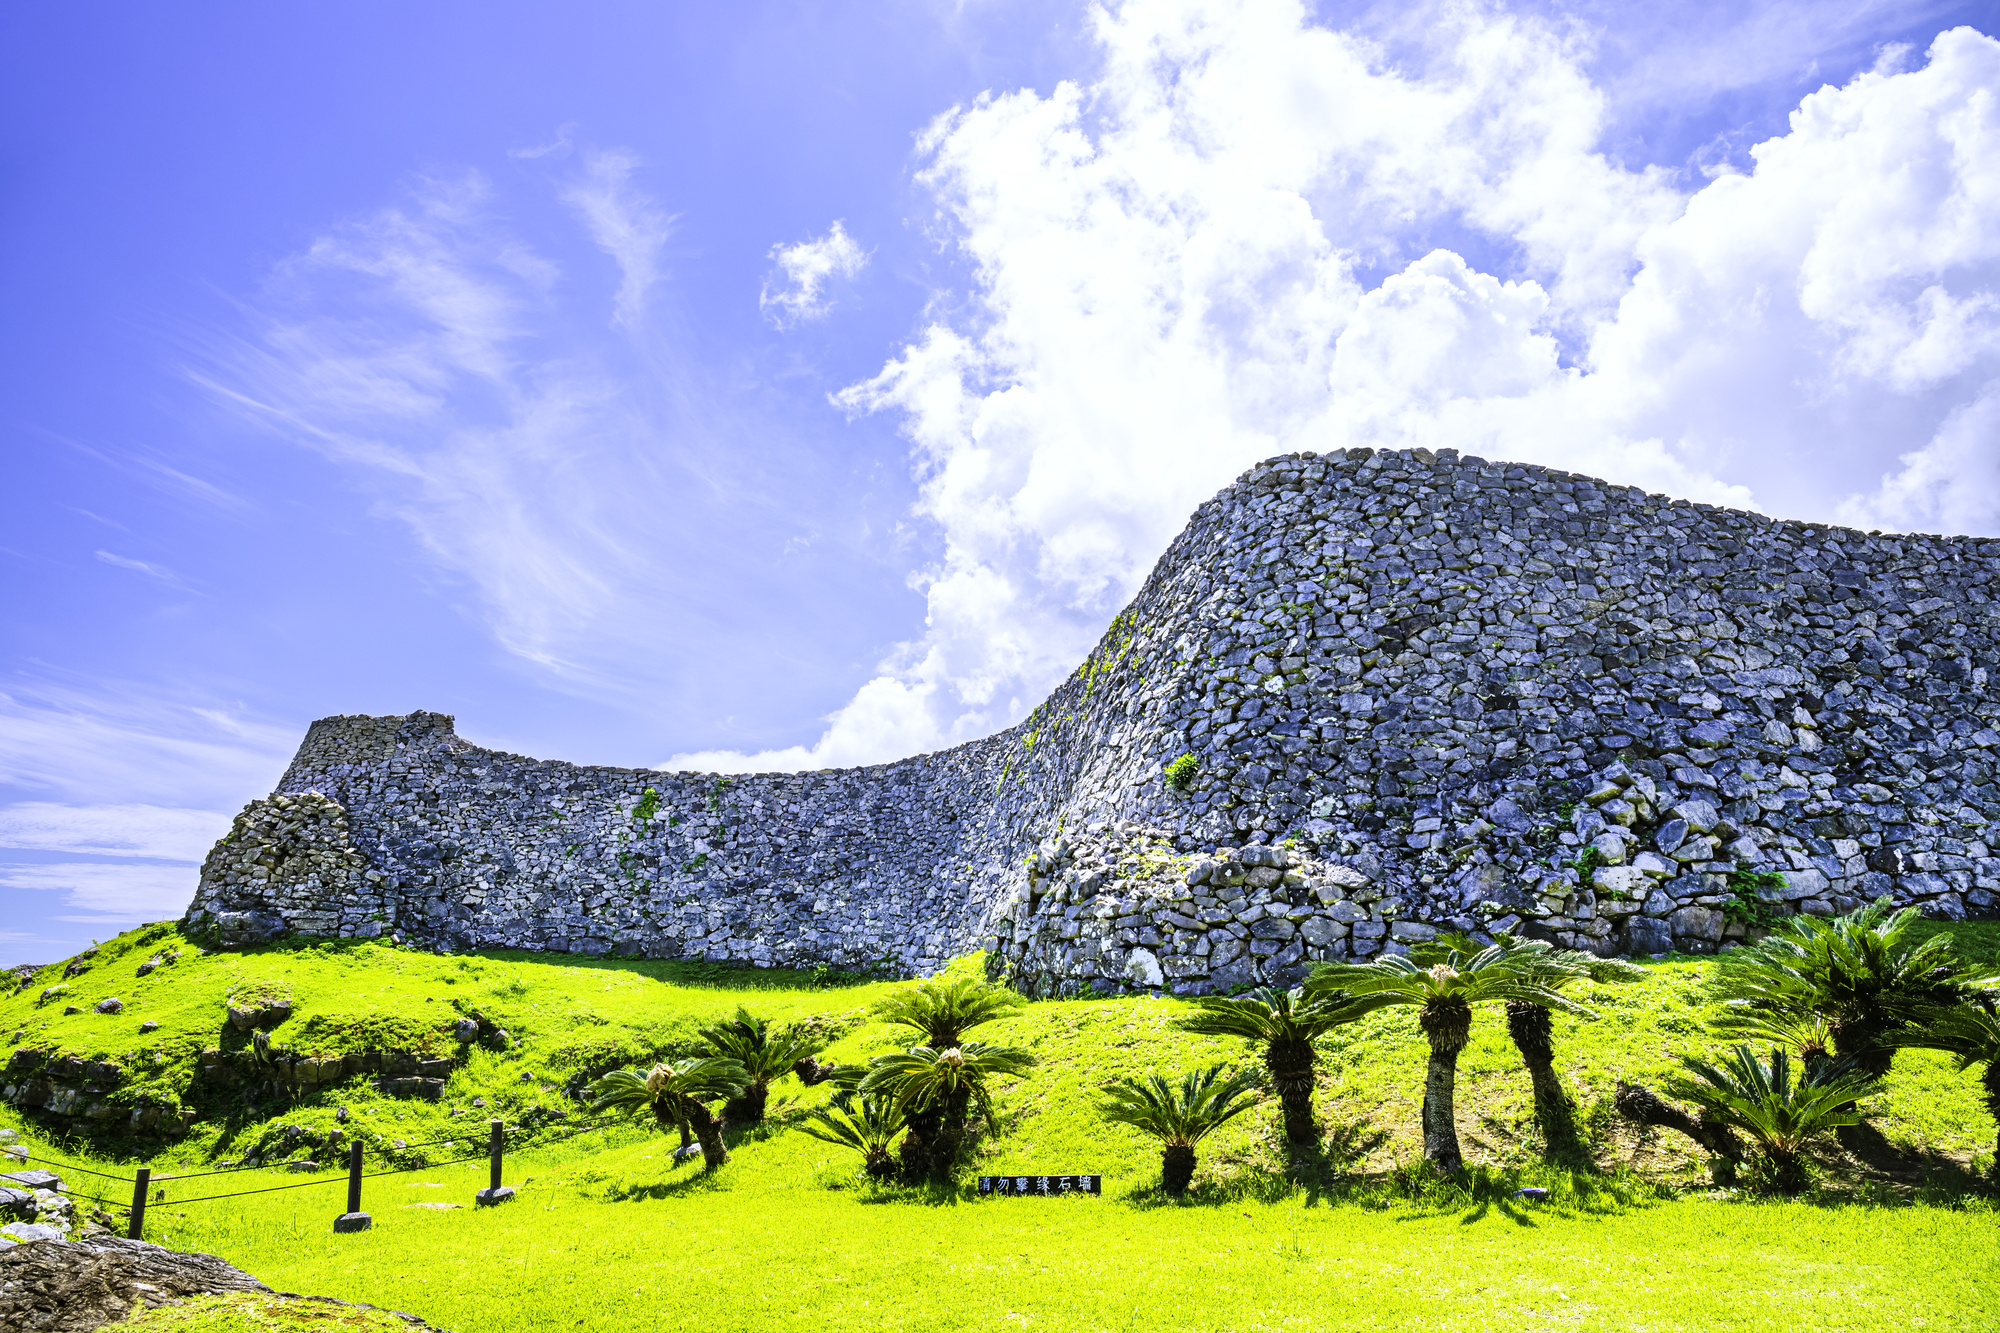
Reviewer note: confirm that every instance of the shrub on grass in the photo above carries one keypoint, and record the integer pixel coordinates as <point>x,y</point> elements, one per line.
<point>766,1057</point>
<point>676,1096</point>
<point>1860,973</point>
<point>1179,1117</point>
<point>945,1010</point>
<point>1444,994</point>
<point>1777,1115</point>
<point>868,1125</point>
<point>1284,1025</point>
<point>937,1092</point>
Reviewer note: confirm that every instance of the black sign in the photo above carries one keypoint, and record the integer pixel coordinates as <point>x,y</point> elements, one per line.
<point>1041,1184</point>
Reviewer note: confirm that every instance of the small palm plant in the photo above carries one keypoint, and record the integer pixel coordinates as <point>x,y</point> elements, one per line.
<point>937,1092</point>
<point>1444,994</point>
<point>944,1011</point>
<point>1284,1024</point>
<point>766,1056</point>
<point>1179,1117</point>
<point>1859,972</point>
<point>1807,1036</point>
<point>676,1096</point>
<point>1778,1116</point>
<point>1971,1033</point>
<point>869,1125</point>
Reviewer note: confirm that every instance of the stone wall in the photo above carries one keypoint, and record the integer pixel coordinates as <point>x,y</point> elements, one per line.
<point>1424,692</point>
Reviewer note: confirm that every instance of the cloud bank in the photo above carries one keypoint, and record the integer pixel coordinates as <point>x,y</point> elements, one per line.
<point>1249,234</point>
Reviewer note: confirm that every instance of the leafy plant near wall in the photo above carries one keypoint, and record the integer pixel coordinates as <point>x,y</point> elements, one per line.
<point>649,804</point>
<point>1180,774</point>
<point>694,866</point>
<point>1746,907</point>
<point>715,795</point>
<point>1585,862</point>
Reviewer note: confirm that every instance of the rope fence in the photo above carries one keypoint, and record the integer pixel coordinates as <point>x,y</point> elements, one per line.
<point>145,1181</point>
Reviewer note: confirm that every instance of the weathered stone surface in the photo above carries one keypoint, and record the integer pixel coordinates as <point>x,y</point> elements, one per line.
<point>56,1286</point>
<point>1394,670</point>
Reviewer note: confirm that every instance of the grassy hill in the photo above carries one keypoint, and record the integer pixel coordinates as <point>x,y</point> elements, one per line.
<point>609,1234</point>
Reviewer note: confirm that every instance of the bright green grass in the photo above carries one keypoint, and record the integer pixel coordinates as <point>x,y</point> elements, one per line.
<point>617,1241</point>
<point>607,1235</point>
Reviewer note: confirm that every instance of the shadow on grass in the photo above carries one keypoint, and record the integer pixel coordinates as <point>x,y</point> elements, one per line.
<point>1327,1173</point>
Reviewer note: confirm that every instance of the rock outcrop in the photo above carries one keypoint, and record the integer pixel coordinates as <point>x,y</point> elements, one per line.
<point>57,1286</point>
<point>1419,692</point>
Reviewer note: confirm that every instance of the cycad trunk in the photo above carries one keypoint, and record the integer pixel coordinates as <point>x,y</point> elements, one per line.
<point>922,1144</point>
<point>708,1133</point>
<point>951,1133</point>
<point>1291,1067</point>
<point>1447,1024</point>
<point>747,1109</point>
<point>1531,1027</point>
<point>1784,1170</point>
<point>1858,1037</point>
<point>1176,1169</point>
<point>880,1164</point>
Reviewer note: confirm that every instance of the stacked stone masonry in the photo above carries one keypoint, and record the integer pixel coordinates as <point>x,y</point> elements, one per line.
<point>1425,693</point>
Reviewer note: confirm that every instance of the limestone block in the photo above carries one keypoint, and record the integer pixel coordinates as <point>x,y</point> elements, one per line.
<point>1697,923</point>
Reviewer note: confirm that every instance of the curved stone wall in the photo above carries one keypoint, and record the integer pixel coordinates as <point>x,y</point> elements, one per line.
<point>1424,692</point>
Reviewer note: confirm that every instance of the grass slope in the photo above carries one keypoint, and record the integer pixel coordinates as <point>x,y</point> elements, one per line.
<point>608,1234</point>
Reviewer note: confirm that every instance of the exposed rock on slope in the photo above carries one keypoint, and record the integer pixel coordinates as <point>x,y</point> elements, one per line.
<point>56,1286</point>
<point>1459,693</point>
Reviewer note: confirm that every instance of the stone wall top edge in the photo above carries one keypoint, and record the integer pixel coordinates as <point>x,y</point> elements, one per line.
<point>1614,491</point>
<point>444,736</point>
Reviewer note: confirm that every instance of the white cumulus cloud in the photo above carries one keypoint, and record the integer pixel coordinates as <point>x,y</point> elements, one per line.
<point>798,291</point>
<point>1220,249</point>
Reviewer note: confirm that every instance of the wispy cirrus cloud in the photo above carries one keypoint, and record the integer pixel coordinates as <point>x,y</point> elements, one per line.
<point>625,223</point>
<point>798,291</point>
<point>146,567</point>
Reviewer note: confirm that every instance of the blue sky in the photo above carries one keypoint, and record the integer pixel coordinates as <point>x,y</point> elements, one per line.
<point>776,385</point>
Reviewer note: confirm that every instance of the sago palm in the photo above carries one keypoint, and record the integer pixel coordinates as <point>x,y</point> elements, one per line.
<point>936,1092</point>
<point>676,1095</point>
<point>1859,972</point>
<point>1778,1116</point>
<point>869,1125</point>
<point>1531,1025</point>
<point>1972,1034</point>
<point>1444,994</point>
<point>766,1056</point>
<point>1179,1117</point>
<point>944,1011</point>
<point>1283,1025</point>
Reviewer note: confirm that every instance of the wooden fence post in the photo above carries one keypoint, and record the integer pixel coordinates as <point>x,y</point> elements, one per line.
<point>494,1192</point>
<point>353,1219</point>
<point>140,1184</point>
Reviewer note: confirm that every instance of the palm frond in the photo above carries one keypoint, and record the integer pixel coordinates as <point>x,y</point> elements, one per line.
<point>663,1088</point>
<point>1180,1116</point>
<point>923,1076</point>
<point>765,1055</point>
<point>1761,1100</point>
<point>1265,1015</point>
<point>1497,973</point>
<point>869,1125</point>
<point>1969,1032</point>
<point>944,1011</point>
